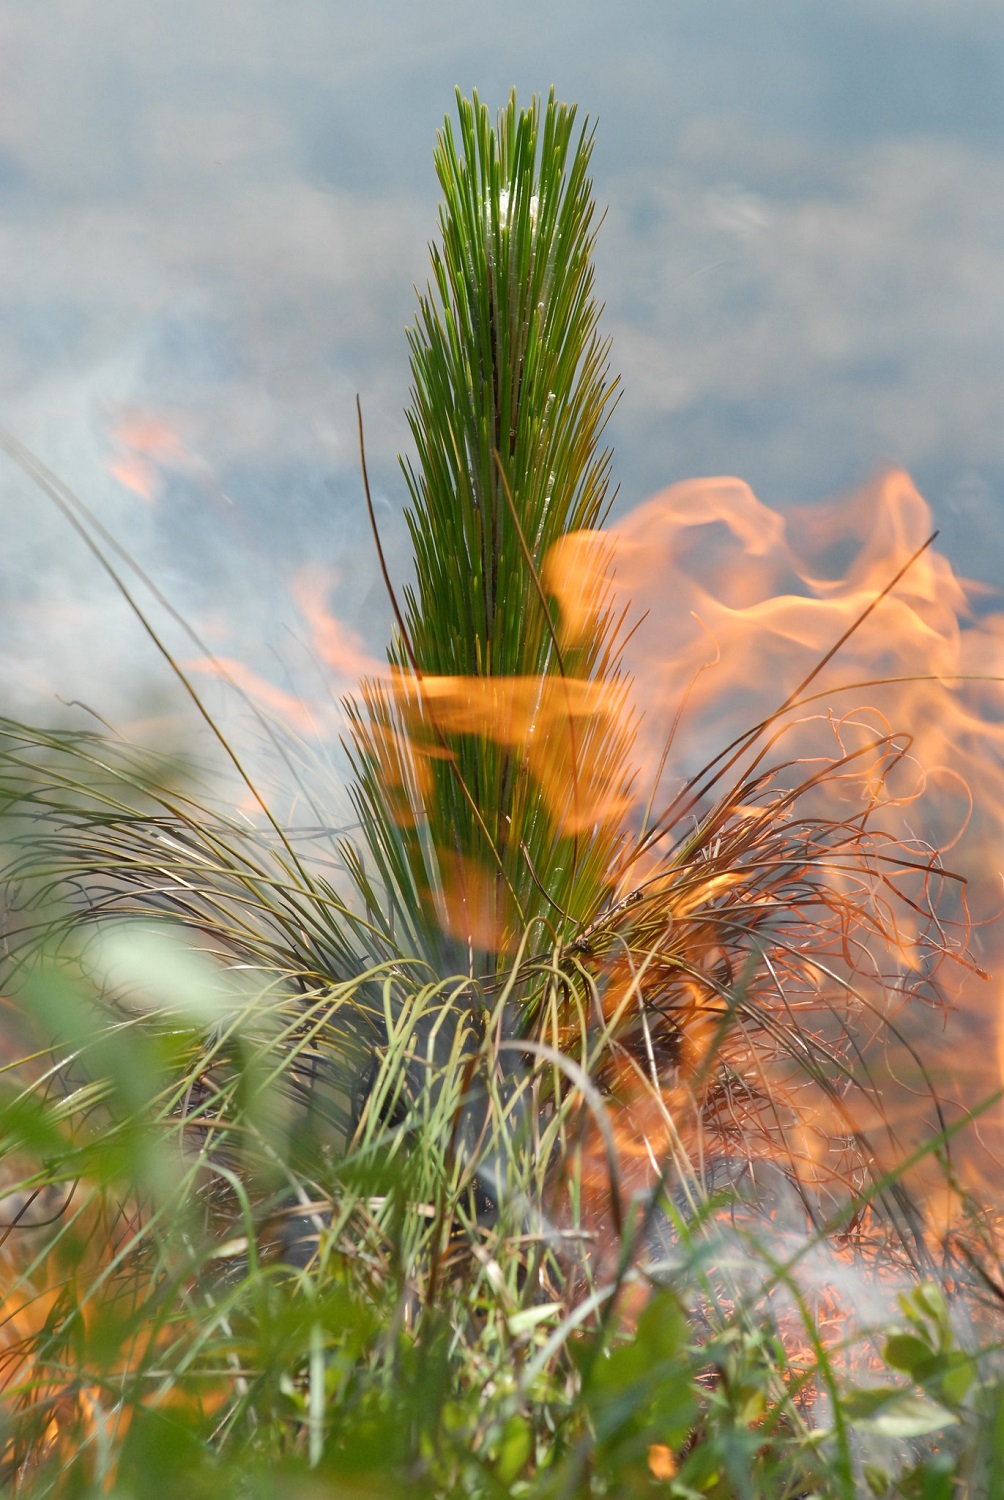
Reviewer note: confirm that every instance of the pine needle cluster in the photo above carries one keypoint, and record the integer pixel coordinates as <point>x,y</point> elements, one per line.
<point>492,771</point>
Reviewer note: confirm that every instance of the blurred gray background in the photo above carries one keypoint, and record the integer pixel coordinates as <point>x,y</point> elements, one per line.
<point>213,214</point>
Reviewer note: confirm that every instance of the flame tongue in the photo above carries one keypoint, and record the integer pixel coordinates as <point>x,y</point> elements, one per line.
<point>148,446</point>
<point>722,581</point>
<point>886,748</point>
<point>803,891</point>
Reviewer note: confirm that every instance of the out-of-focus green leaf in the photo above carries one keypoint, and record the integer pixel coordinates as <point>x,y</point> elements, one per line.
<point>892,1412</point>
<point>904,1351</point>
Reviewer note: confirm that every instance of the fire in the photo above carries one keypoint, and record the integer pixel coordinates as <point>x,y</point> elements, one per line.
<point>869,810</point>
<point>551,722</point>
<point>854,838</point>
<point>467,902</point>
<point>88,1286</point>
<point>341,649</point>
<point>902,730</point>
<point>738,611</point>
<point>295,712</point>
<point>710,563</point>
<point>148,445</point>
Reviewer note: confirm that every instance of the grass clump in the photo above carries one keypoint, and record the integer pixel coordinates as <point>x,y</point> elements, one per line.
<point>486,1156</point>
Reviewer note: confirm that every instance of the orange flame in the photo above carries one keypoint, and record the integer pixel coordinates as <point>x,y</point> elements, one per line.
<point>338,647</point>
<point>736,605</point>
<point>149,445</point>
<point>739,605</point>
<point>94,1245</point>
<point>292,710</point>
<point>576,571</point>
<point>546,719</point>
<point>468,903</point>
<point>707,559</point>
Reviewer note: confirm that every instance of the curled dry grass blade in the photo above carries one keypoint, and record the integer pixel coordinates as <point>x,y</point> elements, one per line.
<point>432,1076</point>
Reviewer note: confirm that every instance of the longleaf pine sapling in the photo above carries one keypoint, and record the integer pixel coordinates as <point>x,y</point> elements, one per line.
<point>421,1119</point>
